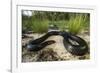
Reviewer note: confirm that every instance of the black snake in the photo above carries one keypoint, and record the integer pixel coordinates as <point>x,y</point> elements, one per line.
<point>80,48</point>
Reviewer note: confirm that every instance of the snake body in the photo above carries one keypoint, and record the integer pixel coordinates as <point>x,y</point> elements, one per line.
<point>76,49</point>
<point>38,44</point>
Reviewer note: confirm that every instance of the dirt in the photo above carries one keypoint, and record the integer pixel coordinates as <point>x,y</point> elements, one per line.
<point>53,52</point>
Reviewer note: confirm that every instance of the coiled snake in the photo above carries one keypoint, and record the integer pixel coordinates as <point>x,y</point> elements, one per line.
<point>79,48</point>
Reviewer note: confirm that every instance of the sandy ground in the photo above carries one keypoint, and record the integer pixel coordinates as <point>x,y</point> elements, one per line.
<point>53,52</point>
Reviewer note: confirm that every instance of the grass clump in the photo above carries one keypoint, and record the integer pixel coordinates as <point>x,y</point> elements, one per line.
<point>40,26</point>
<point>76,24</point>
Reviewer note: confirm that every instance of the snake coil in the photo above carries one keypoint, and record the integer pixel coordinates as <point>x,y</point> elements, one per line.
<point>79,48</point>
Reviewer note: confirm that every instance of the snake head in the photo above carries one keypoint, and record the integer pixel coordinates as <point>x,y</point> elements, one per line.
<point>31,47</point>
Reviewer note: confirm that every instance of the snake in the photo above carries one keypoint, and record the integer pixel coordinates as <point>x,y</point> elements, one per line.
<point>79,47</point>
<point>38,44</point>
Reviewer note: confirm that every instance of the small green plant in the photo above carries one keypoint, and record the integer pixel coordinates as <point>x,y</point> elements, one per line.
<point>26,23</point>
<point>75,24</point>
<point>40,26</point>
